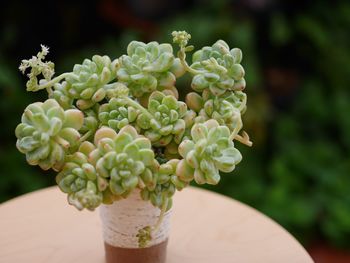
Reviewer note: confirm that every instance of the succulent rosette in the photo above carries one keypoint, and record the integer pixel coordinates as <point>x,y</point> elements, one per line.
<point>87,81</point>
<point>117,114</point>
<point>225,109</point>
<point>47,132</point>
<point>218,68</point>
<point>209,151</point>
<point>122,158</point>
<point>80,180</point>
<point>164,123</point>
<point>148,67</point>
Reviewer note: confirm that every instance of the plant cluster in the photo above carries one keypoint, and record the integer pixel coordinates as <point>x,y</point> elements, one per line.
<point>112,126</point>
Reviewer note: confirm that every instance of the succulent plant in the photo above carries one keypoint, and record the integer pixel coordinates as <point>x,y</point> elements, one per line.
<point>218,69</point>
<point>87,81</point>
<point>122,158</point>
<point>148,67</point>
<point>167,123</point>
<point>116,114</point>
<point>80,180</point>
<point>132,131</point>
<point>211,150</point>
<point>47,132</point>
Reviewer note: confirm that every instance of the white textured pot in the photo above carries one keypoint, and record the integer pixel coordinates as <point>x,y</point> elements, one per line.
<point>121,222</point>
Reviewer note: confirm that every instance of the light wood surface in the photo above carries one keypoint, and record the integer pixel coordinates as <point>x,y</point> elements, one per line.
<point>206,227</point>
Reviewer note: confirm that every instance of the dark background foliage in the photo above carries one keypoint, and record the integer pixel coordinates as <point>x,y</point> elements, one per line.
<point>297,61</point>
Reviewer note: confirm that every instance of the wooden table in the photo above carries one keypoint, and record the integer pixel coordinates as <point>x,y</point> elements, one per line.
<point>206,227</point>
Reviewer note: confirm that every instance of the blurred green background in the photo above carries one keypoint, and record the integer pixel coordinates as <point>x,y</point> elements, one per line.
<point>297,61</point>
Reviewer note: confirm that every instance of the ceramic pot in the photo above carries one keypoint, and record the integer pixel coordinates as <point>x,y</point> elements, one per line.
<point>121,222</point>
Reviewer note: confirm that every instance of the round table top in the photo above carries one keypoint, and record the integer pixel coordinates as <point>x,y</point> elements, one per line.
<point>206,227</point>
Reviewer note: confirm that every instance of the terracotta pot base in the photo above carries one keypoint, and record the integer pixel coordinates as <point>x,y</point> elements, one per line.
<point>154,254</point>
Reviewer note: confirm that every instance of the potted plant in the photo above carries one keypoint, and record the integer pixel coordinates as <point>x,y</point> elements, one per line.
<point>120,139</point>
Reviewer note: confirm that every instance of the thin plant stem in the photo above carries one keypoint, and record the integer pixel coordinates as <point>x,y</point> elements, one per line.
<point>50,83</point>
<point>182,56</point>
<point>49,91</point>
<point>161,216</point>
